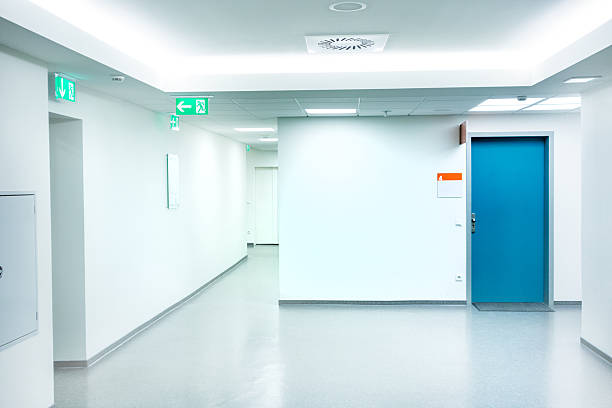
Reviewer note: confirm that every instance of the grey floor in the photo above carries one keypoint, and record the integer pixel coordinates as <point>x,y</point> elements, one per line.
<point>234,347</point>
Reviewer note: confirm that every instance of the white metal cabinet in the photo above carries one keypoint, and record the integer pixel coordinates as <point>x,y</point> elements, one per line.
<point>18,281</point>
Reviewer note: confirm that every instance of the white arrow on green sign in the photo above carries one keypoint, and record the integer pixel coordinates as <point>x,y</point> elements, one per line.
<point>192,106</point>
<point>65,88</point>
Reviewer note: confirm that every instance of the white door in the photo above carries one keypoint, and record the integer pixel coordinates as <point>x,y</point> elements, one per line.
<point>266,205</point>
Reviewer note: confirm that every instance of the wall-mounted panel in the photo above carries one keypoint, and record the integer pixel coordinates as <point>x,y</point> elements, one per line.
<point>18,293</point>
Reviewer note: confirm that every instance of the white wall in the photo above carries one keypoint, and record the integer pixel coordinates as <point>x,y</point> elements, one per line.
<point>567,187</point>
<point>359,217</point>
<point>26,368</point>
<point>256,158</point>
<point>141,257</point>
<point>596,219</point>
<point>337,161</point>
<point>66,156</point>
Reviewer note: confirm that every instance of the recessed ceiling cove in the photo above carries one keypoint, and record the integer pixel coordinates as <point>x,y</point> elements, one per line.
<point>346,43</point>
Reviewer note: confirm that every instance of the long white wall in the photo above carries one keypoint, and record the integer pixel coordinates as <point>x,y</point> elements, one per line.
<point>256,158</point>
<point>357,196</point>
<point>567,187</point>
<point>141,257</point>
<point>359,216</point>
<point>26,368</point>
<point>596,219</point>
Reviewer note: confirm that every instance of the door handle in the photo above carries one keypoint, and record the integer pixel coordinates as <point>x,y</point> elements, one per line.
<point>473,223</point>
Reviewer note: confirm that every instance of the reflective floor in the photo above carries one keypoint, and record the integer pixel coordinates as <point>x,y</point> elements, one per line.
<point>234,347</point>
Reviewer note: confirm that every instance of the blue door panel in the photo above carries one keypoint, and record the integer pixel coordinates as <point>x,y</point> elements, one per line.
<point>509,196</point>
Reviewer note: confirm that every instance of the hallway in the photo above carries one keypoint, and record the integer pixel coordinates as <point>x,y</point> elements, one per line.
<point>233,347</point>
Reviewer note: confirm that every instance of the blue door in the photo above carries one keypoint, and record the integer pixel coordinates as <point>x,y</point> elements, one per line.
<point>510,203</point>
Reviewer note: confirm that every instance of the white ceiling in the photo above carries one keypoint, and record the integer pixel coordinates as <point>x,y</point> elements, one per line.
<point>245,45</point>
<point>230,109</point>
<point>192,28</point>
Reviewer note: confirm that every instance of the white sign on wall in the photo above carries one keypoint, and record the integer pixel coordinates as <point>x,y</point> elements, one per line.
<point>172,161</point>
<point>450,185</point>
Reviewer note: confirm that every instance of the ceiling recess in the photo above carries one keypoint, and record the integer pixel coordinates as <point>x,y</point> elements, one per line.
<point>346,43</point>
<point>347,6</point>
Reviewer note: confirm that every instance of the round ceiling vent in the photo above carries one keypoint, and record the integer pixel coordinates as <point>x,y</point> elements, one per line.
<point>347,6</point>
<point>346,43</point>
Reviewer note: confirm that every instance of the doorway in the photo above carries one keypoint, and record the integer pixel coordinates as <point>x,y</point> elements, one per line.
<point>67,239</point>
<point>266,206</point>
<point>510,257</point>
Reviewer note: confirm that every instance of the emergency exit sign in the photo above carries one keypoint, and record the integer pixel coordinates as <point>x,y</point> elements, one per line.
<point>65,88</point>
<point>174,122</point>
<point>192,106</point>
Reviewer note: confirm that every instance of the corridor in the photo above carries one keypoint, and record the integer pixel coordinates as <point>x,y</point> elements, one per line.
<point>232,346</point>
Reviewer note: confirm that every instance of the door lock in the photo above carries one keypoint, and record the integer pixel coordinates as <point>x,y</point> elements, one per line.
<point>473,223</point>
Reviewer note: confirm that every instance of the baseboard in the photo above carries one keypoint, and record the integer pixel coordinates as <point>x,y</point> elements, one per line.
<point>596,350</point>
<point>70,364</point>
<point>372,302</point>
<point>106,351</point>
<point>568,302</point>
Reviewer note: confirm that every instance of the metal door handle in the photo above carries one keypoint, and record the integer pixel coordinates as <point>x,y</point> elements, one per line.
<point>473,223</point>
<point>1,272</point>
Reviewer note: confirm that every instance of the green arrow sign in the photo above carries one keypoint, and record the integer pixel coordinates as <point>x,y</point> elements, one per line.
<point>174,122</point>
<point>192,106</point>
<point>65,88</point>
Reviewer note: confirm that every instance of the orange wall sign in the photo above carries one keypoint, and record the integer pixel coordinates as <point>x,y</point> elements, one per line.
<point>450,176</point>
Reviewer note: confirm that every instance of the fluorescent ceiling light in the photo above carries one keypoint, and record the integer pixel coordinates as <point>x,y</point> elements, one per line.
<point>269,139</point>
<point>580,80</point>
<point>331,111</point>
<point>498,108</point>
<point>262,129</point>
<point>564,100</point>
<point>542,107</point>
<point>504,104</point>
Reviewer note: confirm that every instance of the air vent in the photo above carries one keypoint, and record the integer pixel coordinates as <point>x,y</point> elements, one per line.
<point>346,43</point>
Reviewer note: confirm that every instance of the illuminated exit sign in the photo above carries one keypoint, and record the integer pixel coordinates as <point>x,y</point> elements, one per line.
<point>65,88</point>
<point>192,106</point>
<point>174,122</point>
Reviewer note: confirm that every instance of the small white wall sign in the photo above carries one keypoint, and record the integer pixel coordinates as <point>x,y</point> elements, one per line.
<point>172,161</point>
<point>450,185</point>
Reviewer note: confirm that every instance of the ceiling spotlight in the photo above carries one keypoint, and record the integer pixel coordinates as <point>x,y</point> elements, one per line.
<point>262,129</point>
<point>581,80</point>
<point>347,6</point>
<point>268,139</point>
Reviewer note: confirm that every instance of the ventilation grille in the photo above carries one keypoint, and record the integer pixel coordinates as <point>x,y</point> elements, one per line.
<point>347,43</point>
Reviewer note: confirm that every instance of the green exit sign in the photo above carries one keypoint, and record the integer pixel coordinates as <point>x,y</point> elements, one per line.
<point>174,122</point>
<point>192,106</point>
<point>65,88</point>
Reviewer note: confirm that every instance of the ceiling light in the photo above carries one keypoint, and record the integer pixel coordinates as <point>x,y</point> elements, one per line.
<point>564,100</point>
<point>505,104</point>
<point>268,139</point>
<point>565,106</point>
<point>580,80</point>
<point>496,108</point>
<point>263,129</point>
<point>347,6</point>
<point>331,111</point>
